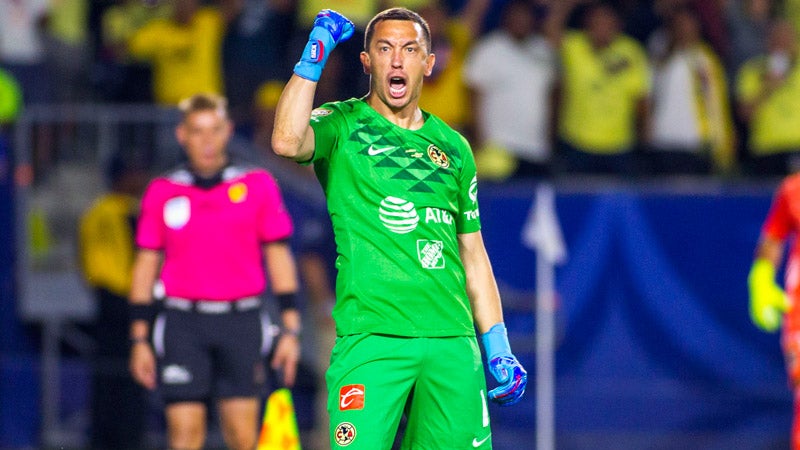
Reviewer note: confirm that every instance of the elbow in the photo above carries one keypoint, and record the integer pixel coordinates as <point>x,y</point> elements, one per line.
<point>288,147</point>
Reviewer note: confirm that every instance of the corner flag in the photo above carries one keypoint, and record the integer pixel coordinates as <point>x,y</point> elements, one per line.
<point>542,233</point>
<point>279,427</point>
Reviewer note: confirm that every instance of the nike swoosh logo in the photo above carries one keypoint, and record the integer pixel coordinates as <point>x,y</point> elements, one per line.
<point>372,151</point>
<point>477,443</point>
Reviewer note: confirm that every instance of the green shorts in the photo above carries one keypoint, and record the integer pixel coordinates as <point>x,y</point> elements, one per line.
<point>438,382</point>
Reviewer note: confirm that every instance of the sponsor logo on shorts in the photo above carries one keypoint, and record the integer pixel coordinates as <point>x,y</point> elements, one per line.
<point>430,254</point>
<point>345,434</point>
<point>175,374</point>
<point>478,442</point>
<point>438,156</point>
<point>351,397</point>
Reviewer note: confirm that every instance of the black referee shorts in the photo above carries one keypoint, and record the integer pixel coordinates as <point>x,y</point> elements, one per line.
<point>204,355</point>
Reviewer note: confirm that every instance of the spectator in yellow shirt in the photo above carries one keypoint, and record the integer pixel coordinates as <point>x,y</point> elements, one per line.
<point>767,96</point>
<point>184,50</point>
<point>604,83</point>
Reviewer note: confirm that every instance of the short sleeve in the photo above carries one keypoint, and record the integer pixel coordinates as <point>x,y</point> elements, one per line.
<point>469,215</point>
<point>150,227</point>
<point>275,222</point>
<point>779,221</point>
<point>325,121</point>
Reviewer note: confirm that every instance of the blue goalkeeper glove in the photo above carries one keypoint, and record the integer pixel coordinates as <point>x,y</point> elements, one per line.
<point>504,367</point>
<point>330,28</point>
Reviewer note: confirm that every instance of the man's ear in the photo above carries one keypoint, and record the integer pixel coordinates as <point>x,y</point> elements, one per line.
<point>180,133</point>
<point>365,63</point>
<point>431,60</point>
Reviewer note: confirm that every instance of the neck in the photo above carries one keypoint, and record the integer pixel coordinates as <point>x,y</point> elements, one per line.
<point>408,117</point>
<point>209,172</point>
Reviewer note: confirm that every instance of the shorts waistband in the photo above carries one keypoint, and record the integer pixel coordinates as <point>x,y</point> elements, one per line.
<point>212,306</point>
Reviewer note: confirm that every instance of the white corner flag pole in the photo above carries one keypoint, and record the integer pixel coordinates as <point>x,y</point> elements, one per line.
<point>543,234</point>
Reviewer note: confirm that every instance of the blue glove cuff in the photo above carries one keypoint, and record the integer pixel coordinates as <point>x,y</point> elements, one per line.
<point>315,54</point>
<point>495,342</point>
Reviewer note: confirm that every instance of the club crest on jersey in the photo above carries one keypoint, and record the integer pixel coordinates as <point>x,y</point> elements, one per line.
<point>438,156</point>
<point>351,397</point>
<point>237,192</point>
<point>345,434</point>
<point>177,211</point>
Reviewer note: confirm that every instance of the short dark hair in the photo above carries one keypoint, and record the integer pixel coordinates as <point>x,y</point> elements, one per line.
<point>398,14</point>
<point>203,102</point>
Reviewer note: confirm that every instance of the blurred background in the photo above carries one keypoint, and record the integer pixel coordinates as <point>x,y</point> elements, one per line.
<point>664,127</point>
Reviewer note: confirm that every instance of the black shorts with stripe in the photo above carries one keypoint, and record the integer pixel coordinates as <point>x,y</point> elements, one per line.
<point>204,355</point>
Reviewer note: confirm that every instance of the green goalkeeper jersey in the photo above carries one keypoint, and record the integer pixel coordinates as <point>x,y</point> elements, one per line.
<point>397,200</point>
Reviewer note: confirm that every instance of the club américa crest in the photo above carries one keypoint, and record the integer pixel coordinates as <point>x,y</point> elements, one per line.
<point>438,156</point>
<point>345,434</point>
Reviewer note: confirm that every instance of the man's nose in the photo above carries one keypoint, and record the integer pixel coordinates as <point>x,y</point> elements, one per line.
<point>397,59</point>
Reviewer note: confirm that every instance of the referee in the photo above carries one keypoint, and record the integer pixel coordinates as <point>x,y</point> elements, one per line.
<point>209,231</point>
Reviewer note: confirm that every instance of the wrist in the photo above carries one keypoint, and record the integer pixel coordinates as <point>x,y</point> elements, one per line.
<point>764,266</point>
<point>762,274</point>
<point>495,341</point>
<point>286,301</point>
<point>139,340</point>
<point>315,54</point>
<point>291,331</point>
<point>142,311</point>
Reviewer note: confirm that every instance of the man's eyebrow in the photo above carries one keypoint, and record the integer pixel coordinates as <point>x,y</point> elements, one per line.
<point>406,44</point>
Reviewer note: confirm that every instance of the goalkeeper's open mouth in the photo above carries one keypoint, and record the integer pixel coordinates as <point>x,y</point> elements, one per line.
<point>397,87</point>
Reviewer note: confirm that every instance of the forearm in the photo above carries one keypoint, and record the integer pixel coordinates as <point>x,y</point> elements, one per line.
<point>482,288</point>
<point>145,272</point>
<point>282,271</point>
<point>281,268</point>
<point>485,300</point>
<point>770,250</point>
<point>292,136</point>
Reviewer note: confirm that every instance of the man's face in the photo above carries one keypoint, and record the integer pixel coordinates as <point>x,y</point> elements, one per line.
<point>602,26</point>
<point>397,60</point>
<point>204,136</point>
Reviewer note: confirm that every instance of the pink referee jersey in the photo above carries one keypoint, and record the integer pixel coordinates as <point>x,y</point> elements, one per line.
<point>212,238</point>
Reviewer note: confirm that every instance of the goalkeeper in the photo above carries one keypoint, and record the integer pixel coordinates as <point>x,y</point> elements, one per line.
<point>414,279</point>
<point>770,306</point>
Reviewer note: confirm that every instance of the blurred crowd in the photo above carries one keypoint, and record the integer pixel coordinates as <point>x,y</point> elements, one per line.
<point>541,88</point>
